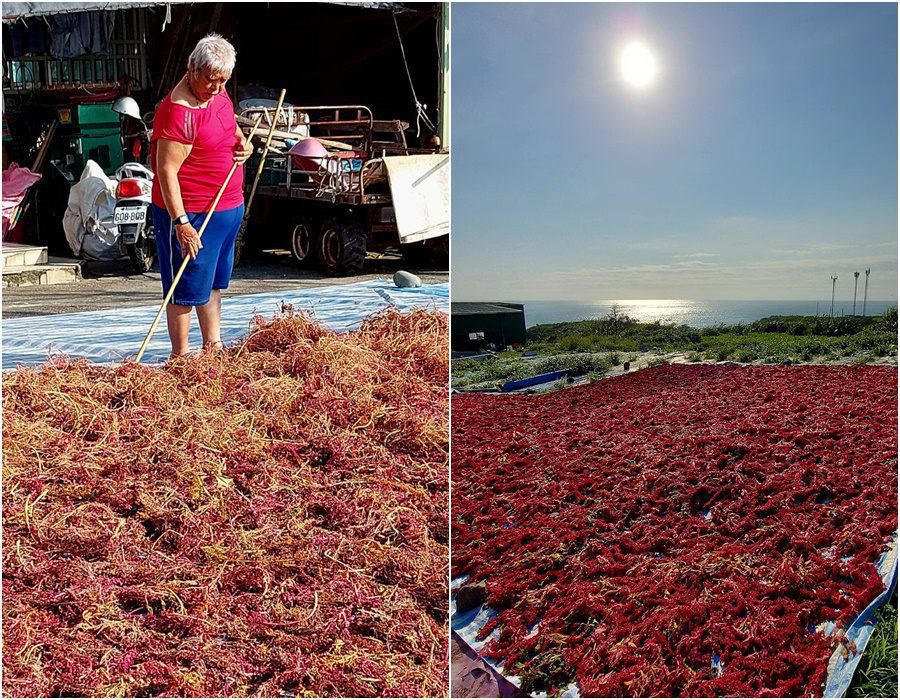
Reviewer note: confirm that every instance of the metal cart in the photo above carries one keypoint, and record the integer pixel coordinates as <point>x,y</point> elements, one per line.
<point>339,205</point>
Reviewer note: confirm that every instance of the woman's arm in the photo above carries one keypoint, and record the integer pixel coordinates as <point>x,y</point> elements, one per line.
<point>243,149</point>
<point>170,155</point>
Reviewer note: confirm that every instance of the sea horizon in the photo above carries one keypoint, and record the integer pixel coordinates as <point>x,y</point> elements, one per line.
<point>692,312</point>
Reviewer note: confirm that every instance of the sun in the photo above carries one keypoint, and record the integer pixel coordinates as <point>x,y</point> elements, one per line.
<point>638,65</point>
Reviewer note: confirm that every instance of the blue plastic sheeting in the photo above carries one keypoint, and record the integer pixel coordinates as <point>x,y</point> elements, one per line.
<point>532,381</point>
<point>113,335</point>
<point>840,671</point>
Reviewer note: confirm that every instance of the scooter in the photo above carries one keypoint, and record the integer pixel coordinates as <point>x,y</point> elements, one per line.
<point>135,183</point>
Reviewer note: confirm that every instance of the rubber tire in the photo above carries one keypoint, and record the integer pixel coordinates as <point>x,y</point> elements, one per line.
<point>306,238</point>
<point>143,256</point>
<point>342,248</point>
<point>240,243</point>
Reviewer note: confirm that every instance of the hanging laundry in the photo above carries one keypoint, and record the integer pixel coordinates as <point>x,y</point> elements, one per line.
<point>27,38</point>
<point>80,33</point>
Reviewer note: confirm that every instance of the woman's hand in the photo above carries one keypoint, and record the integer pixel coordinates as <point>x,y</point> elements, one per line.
<point>189,240</point>
<point>242,150</point>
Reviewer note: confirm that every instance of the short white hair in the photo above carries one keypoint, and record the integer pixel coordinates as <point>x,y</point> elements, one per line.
<point>212,52</point>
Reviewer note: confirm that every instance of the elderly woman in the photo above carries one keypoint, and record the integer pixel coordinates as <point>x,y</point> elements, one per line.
<point>195,142</point>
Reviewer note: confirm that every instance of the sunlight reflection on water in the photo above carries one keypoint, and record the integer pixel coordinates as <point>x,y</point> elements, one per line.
<point>687,311</point>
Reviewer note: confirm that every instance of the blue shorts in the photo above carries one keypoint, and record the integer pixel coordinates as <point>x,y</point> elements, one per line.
<point>212,267</point>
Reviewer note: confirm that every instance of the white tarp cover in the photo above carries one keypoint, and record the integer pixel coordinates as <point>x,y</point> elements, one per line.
<point>88,221</point>
<point>14,10</point>
<point>420,189</point>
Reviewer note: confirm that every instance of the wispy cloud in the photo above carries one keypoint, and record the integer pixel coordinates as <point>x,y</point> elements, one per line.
<point>758,268</point>
<point>815,249</point>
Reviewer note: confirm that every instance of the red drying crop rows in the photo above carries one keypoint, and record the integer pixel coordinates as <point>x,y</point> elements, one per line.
<point>267,521</point>
<point>632,529</point>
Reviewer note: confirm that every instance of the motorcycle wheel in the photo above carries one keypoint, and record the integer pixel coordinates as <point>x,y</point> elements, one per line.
<point>143,253</point>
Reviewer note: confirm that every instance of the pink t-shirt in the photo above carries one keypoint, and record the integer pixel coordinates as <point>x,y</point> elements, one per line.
<point>211,133</point>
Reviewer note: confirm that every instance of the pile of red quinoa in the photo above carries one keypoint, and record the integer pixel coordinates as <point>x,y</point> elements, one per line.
<point>678,531</point>
<point>267,521</point>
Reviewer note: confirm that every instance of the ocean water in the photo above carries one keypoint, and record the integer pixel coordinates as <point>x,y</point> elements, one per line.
<point>689,312</point>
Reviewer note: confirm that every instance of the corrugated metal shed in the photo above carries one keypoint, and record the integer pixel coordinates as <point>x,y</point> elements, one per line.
<point>477,325</point>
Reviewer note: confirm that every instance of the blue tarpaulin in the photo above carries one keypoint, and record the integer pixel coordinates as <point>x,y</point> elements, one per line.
<point>113,335</point>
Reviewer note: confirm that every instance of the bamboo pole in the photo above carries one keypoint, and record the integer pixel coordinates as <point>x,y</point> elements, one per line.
<point>184,262</point>
<point>265,152</point>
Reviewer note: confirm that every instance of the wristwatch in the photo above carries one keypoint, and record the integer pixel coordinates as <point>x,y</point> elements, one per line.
<point>182,220</point>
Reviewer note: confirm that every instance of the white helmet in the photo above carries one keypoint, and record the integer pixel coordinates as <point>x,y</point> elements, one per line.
<point>127,105</point>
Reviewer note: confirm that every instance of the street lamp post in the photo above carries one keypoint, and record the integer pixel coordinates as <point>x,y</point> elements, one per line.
<point>833,282</point>
<point>866,290</point>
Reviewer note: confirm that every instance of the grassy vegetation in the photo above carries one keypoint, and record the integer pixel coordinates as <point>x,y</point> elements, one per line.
<point>773,339</point>
<point>594,347</point>
<point>501,369</point>
<point>876,675</point>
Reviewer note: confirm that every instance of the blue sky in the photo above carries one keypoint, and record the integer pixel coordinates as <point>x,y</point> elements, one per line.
<point>762,161</point>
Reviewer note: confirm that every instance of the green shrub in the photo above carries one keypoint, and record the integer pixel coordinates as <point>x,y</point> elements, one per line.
<point>746,355</point>
<point>888,320</point>
<point>575,364</point>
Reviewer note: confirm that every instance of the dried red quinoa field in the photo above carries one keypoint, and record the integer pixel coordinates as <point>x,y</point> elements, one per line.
<point>267,521</point>
<point>632,530</point>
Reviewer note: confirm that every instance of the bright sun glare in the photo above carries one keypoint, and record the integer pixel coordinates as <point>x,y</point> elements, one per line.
<point>638,65</point>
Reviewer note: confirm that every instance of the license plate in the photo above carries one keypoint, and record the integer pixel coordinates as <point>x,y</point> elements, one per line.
<point>130,215</point>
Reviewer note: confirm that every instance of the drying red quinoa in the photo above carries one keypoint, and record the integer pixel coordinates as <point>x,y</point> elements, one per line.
<point>633,530</point>
<point>267,521</point>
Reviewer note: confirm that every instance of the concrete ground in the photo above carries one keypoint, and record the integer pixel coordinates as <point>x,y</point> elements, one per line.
<point>112,285</point>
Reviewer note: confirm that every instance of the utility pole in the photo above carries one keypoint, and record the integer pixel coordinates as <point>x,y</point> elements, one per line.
<point>833,282</point>
<point>855,285</point>
<point>866,290</point>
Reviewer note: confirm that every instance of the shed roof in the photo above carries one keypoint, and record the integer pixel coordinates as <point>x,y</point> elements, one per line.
<point>13,11</point>
<point>462,308</point>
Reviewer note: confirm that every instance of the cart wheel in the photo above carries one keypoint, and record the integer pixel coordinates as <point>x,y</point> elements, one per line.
<point>342,248</point>
<point>303,242</point>
<point>240,242</point>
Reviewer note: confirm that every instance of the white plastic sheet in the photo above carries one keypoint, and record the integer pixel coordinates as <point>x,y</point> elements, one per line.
<point>420,189</point>
<point>88,221</point>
